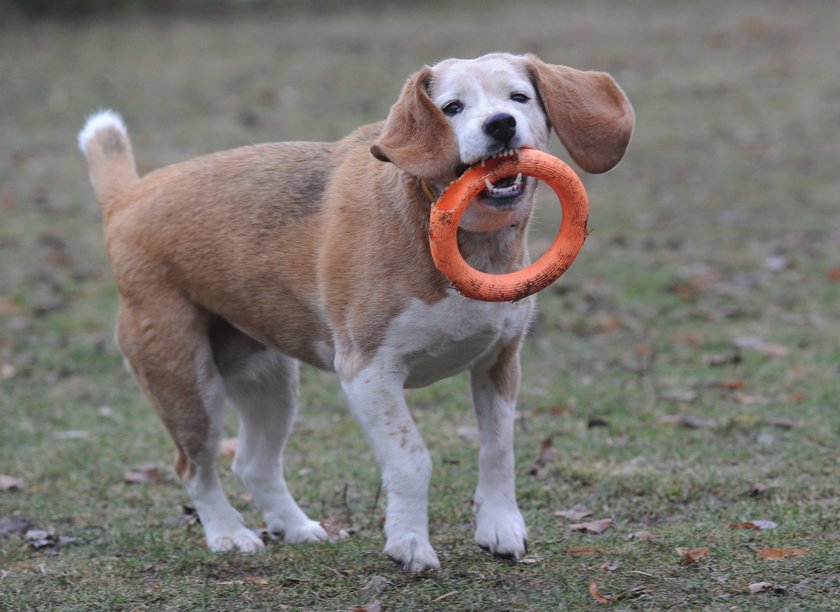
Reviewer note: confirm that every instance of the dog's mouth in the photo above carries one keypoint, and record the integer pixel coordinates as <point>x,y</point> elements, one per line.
<point>504,191</point>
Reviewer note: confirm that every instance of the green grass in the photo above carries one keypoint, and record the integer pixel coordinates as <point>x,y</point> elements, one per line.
<point>720,223</point>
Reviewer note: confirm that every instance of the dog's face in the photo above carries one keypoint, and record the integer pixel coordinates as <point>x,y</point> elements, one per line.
<point>493,108</point>
<point>460,112</point>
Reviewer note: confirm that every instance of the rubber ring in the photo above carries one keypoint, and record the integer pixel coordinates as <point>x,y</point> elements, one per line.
<point>447,211</point>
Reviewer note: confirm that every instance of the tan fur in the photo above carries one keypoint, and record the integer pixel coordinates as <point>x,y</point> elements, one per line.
<point>312,251</point>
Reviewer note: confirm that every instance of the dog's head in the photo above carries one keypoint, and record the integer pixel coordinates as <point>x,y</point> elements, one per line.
<point>460,112</point>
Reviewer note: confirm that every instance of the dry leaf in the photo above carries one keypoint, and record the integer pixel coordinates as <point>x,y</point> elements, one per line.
<point>731,385</point>
<point>754,525</point>
<point>833,275</point>
<point>10,483</point>
<point>583,551</point>
<point>599,526</point>
<point>12,524</point>
<point>374,586</point>
<point>574,514</point>
<point>764,587</point>
<point>545,456</point>
<point>692,555</point>
<point>593,590</point>
<point>643,536</point>
<point>758,345</point>
<point>228,446</point>
<point>7,371</point>
<point>71,434</point>
<point>374,606</point>
<point>259,580</point>
<point>147,473</point>
<point>776,554</point>
<point>335,530</point>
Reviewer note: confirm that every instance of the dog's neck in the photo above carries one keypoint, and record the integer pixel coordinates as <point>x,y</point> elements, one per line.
<point>500,251</point>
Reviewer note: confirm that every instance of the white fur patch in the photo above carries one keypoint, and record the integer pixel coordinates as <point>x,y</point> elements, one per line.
<point>99,121</point>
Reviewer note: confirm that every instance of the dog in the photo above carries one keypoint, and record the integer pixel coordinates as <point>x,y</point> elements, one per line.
<point>235,266</point>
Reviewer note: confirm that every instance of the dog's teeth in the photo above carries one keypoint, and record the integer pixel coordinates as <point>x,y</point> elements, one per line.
<point>518,180</point>
<point>488,184</point>
<point>518,153</point>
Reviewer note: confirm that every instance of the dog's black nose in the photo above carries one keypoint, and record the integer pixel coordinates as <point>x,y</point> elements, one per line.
<point>501,127</point>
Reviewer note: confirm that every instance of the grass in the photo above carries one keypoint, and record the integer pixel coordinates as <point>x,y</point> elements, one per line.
<point>720,224</point>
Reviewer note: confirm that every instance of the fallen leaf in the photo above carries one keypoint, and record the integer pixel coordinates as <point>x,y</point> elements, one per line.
<point>545,455</point>
<point>228,446</point>
<point>593,590</point>
<point>468,433</point>
<point>732,357</point>
<point>758,345</point>
<point>71,434</point>
<point>12,524</point>
<point>754,525</point>
<point>583,551</point>
<point>10,483</point>
<point>335,530</point>
<point>599,526</point>
<point>731,385</point>
<point>758,489</point>
<point>782,423</point>
<point>692,555</point>
<point>750,399</point>
<point>596,421</point>
<point>574,514</point>
<point>374,606</point>
<point>776,554</point>
<point>146,473</point>
<point>643,536</point>
<point>374,586</point>
<point>833,275</point>
<point>445,595</point>
<point>560,410</point>
<point>259,580</point>
<point>9,307</point>
<point>763,587</point>
<point>7,371</point>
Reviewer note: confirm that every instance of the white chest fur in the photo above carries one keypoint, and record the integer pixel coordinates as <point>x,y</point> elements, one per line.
<point>429,342</point>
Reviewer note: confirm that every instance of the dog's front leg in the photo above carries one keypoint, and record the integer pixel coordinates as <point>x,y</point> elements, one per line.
<point>500,527</point>
<point>377,401</point>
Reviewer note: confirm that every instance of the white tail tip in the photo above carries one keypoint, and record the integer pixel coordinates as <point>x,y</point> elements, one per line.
<point>99,121</point>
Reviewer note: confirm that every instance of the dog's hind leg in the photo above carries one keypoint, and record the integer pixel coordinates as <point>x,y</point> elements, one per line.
<point>262,384</point>
<point>168,351</point>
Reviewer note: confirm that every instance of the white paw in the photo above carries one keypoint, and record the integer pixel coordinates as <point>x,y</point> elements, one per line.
<point>413,553</point>
<point>311,531</point>
<point>501,532</point>
<point>243,540</point>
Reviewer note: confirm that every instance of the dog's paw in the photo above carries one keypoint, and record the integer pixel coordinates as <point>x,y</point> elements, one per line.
<point>311,531</point>
<point>413,553</point>
<point>244,540</point>
<point>502,533</point>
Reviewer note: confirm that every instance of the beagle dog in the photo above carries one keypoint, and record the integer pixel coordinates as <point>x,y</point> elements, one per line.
<point>234,267</point>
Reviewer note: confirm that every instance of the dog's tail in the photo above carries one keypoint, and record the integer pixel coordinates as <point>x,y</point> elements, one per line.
<point>104,141</point>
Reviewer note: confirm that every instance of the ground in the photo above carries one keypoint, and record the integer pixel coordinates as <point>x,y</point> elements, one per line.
<point>680,379</point>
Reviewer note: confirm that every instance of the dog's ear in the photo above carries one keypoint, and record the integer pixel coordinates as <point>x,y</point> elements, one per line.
<point>416,136</point>
<point>589,111</point>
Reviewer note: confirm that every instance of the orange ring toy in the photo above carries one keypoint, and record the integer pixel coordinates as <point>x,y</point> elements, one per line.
<point>447,211</point>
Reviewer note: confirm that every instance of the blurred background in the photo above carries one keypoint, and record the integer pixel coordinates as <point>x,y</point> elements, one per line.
<point>703,311</point>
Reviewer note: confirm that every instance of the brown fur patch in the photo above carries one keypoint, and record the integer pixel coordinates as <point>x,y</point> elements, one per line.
<point>506,372</point>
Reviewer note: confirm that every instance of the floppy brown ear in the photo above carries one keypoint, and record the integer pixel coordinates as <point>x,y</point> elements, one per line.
<point>589,111</point>
<point>416,135</point>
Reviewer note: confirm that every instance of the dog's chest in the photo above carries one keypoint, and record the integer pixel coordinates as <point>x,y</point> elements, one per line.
<point>434,341</point>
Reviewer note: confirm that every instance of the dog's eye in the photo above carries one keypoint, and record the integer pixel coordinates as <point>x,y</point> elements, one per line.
<point>520,97</point>
<point>452,108</point>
